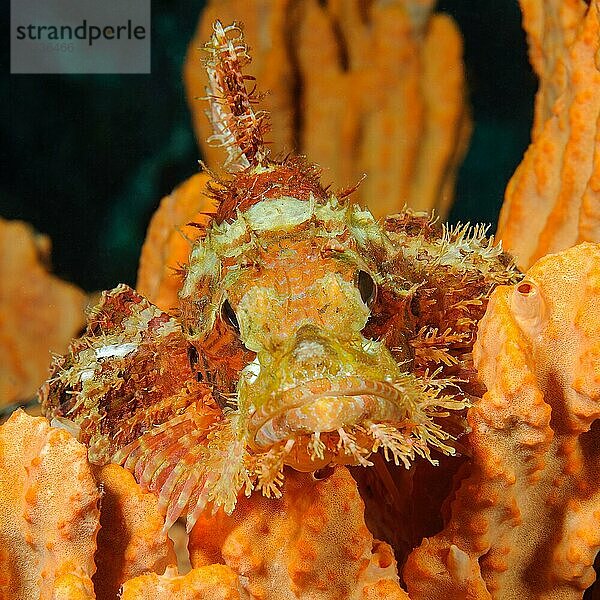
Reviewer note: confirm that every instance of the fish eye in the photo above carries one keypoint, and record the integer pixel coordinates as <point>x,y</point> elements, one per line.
<point>367,287</point>
<point>228,315</point>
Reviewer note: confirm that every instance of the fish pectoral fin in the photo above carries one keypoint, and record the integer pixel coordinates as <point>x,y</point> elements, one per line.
<point>188,467</point>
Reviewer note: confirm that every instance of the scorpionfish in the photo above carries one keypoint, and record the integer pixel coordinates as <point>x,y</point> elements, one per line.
<point>307,333</point>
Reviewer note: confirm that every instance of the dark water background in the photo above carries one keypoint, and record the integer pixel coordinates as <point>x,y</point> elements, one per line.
<point>86,158</point>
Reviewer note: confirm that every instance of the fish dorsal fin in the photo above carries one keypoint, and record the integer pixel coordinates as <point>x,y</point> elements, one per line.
<point>237,127</point>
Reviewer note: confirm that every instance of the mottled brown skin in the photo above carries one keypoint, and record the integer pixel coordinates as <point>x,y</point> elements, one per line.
<point>445,300</point>
<point>154,383</point>
<point>293,177</point>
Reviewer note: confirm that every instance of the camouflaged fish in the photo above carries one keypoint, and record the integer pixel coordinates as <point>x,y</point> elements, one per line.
<point>308,333</point>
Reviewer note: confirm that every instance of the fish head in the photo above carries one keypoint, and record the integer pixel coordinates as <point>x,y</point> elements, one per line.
<point>289,278</point>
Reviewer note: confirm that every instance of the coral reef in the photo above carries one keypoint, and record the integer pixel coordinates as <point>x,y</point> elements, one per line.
<point>40,313</point>
<point>551,29</point>
<point>329,551</point>
<point>308,335</point>
<point>131,540</point>
<point>312,543</point>
<point>48,512</point>
<point>526,520</point>
<point>375,88</point>
<point>214,582</point>
<point>552,201</point>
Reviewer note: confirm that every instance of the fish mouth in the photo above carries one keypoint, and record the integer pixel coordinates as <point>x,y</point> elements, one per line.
<point>323,405</point>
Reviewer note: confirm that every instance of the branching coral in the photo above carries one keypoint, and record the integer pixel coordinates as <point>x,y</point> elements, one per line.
<point>375,88</point>
<point>131,540</point>
<point>40,313</point>
<point>172,230</point>
<point>526,521</point>
<point>552,201</point>
<point>48,513</point>
<point>310,544</point>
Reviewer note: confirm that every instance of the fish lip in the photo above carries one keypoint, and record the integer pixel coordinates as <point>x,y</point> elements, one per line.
<point>375,395</point>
